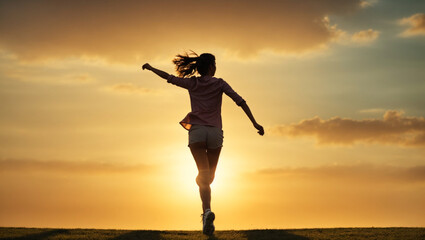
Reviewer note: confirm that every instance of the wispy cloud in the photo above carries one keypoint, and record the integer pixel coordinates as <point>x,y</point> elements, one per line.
<point>365,4</point>
<point>368,3</point>
<point>83,78</point>
<point>72,167</point>
<point>415,24</point>
<point>372,110</point>
<point>365,36</point>
<point>354,173</point>
<point>127,31</point>
<point>360,38</point>
<point>128,88</point>
<point>38,76</point>
<point>394,128</point>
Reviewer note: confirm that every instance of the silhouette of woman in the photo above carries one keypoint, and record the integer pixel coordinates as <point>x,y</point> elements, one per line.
<point>204,121</point>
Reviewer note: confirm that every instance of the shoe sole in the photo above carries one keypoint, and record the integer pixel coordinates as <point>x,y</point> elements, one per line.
<point>209,226</point>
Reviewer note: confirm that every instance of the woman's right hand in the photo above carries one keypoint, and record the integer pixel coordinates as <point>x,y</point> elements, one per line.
<point>259,128</point>
<point>146,66</point>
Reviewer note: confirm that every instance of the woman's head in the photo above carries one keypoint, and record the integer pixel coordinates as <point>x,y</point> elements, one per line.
<point>187,66</point>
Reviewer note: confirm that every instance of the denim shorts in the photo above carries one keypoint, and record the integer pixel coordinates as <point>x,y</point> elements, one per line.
<point>212,136</point>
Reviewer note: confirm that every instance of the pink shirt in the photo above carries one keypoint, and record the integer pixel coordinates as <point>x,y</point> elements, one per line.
<point>205,99</point>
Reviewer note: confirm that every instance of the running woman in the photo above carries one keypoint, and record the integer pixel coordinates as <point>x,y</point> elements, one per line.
<point>204,121</point>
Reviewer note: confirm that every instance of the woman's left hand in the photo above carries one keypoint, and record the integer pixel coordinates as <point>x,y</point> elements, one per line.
<point>259,128</point>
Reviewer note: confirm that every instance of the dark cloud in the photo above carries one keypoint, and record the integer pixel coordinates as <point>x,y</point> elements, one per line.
<point>31,165</point>
<point>393,128</point>
<point>128,30</point>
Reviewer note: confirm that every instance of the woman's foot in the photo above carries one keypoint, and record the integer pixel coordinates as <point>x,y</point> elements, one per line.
<point>208,222</point>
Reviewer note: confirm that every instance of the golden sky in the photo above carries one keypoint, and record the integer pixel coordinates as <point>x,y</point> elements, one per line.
<point>89,140</point>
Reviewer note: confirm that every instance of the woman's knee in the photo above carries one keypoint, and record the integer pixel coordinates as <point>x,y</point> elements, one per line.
<point>212,176</point>
<point>203,179</point>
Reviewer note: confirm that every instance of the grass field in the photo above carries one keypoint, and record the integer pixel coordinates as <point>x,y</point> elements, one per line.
<point>290,234</point>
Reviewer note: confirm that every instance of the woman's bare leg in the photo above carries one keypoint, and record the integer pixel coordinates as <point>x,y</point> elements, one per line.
<point>213,155</point>
<point>199,152</point>
<point>206,161</point>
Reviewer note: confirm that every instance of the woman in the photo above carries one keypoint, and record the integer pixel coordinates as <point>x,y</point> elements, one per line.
<point>204,121</point>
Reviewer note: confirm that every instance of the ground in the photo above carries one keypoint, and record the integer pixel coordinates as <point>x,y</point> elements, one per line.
<point>267,234</point>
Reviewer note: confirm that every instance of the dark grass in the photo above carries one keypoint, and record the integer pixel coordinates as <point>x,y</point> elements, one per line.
<point>268,234</point>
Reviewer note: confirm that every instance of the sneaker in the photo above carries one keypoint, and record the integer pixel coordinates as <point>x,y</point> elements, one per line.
<point>208,223</point>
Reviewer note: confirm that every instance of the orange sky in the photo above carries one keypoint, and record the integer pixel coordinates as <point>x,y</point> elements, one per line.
<point>89,140</point>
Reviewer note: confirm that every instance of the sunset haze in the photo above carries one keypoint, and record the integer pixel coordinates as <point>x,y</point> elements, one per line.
<point>90,140</point>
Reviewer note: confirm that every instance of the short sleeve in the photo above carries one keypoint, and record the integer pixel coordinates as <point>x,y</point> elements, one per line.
<point>232,94</point>
<point>181,82</point>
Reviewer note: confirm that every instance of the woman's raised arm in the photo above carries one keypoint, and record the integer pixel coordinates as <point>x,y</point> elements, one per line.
<point>158,72</point>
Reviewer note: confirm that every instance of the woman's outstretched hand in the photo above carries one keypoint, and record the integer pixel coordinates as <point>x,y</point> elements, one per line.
<point>158,72</point>
<point>147,66</point>
<point>259,128</point>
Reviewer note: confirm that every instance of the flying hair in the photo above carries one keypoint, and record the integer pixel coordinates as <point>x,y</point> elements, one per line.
<point>188,64</point>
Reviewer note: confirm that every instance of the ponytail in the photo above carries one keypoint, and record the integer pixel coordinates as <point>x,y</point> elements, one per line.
<point>187,66</point>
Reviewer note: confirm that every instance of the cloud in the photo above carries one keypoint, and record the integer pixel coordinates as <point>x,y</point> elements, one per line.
<point>48,75</point>
<point>130,88</point>
<point>83,78</point>
<point>127,31</point>
<point>72,167</point>
<point>393,129</point>
<point>368,3</point>
<point>356,173</point>
<point>365,36</point>
<point>372,110</point>
<point>365,4</point>
<point>415,23</point>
